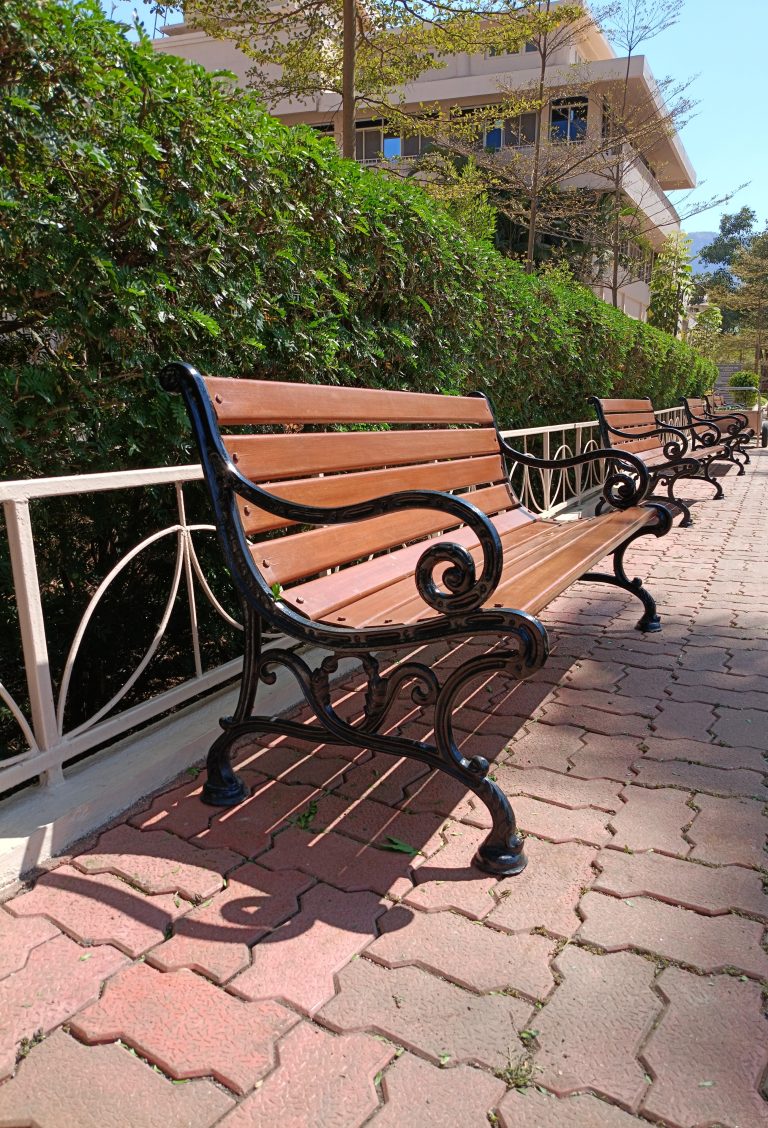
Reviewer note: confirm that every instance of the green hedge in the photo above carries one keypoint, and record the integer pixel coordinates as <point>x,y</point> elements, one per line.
<point>151,211</point>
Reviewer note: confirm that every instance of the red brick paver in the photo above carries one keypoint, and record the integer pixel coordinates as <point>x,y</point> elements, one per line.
<point>591,1033</point>
<point>320,1080</point>
<point>278,964</point>
<point>416,1092</point>
<point>212,1033</point>
<point>58,979</point>
<point>63,1084</point>
<point>709,1052</point>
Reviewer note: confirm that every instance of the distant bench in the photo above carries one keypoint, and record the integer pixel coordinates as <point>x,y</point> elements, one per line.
<point>397,530</point>
<point>669,453</point>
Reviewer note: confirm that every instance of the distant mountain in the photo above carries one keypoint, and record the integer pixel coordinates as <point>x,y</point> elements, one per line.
<point>700,239</point>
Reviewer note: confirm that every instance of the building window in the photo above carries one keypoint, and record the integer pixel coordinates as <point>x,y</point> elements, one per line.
<point>324,127</point>
<point>374,143</point>
<point>569,119</point>
<point>492,137</point>
<point>495,52</point>
<point>520,130</point>
<point>530,46</point>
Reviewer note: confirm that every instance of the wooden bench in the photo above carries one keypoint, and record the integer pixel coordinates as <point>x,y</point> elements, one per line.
<point>399,530</point>
<point>733,427</point>
<point>668,453</point>
<point>754,420</point>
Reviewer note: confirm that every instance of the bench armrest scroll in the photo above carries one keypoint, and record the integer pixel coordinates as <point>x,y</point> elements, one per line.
<point>626,485</point>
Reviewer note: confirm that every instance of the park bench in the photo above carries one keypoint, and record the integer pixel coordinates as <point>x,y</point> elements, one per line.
<point>733,426</point>
<point>631,425</point>
<point>755,419</point>
<point>363,520</point>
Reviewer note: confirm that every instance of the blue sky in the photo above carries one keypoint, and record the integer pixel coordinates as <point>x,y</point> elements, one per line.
<point>728,65</point>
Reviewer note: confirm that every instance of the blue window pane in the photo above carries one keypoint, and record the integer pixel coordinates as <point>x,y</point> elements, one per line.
<point>578,128</point>
<point>392,147</point>
<point>493,138</point>
<point>559,128</point>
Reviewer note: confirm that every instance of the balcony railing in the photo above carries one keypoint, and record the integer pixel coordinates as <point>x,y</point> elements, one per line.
<point>41,722</point>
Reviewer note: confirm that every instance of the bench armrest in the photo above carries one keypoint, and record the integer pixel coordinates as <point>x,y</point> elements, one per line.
<point>739,423</point>
<point>672,450</point>
<point>622,489</point>
<point>704,432</point>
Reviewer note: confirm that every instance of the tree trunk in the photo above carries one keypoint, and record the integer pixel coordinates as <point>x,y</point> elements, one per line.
<point>348,82</point>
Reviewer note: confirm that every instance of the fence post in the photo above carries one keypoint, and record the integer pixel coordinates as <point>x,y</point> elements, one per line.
<point>32,626</point>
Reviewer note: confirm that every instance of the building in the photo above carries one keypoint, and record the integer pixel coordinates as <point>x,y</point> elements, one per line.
<point>578,75</point>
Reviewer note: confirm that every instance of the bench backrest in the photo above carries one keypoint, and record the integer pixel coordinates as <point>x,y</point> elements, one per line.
<point>697,406</point>
<point>628,415</point>
<point>399,441</point>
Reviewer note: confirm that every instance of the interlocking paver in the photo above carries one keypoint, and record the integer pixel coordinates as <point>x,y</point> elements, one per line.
<point>709,1052</point>
<point>321,1080</point>
<point>299,960</point>
<point>212,1033</point>
<point>248,828</point>
<point>214,938</point>
<point>159,862</point>
<point>481,959</point>
<point>699,887</point>
<point>382,778</point>
<point>374,822</point>
<point>59,977</point>
<point>417,1093</point>
<point>597,720</point>
<point>697,777</point>
<point>63,1084</point>
<point>707,943</point>
<point>544,746</point>
<point>677,721</point>
<point>729,831</point>
<point>713,755</point>
<point>592,1030</point>
<point>546,894</point>
<point>18,937</point>
<point>446,880</point>
<point>559,788</point>
<point>181,810</point>
<point>560,824</point>
<point>606,757</point>
<point>741,727</point>
<point>298,763</point>
<point>426,1014</point>
<point>100,909</point>
<point>538,1109</point>
<point>652,819</point>
<point>338,860</point>
<point>620,704</point>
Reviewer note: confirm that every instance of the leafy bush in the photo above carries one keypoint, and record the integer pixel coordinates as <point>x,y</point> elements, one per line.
<point>153,211</point>
<point>744,379</point>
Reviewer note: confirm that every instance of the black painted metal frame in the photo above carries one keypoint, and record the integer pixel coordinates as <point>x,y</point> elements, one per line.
<point>461,606</point>
<point>675,446</point>
<point>734,431</point>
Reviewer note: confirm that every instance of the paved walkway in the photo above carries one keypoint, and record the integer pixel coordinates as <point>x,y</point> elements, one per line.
<point>267,966</point>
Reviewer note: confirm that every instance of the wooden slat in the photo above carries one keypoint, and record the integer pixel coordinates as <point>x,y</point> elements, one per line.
<point>239,402</point>
<point>640,421</point>
<point>271,457</point>
<point>321,596</point>
<point>286,559</point>
<point>622,405</point>
<point>346,489</point>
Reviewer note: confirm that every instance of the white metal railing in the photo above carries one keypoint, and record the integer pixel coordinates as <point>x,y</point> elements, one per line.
<point>50,746</point>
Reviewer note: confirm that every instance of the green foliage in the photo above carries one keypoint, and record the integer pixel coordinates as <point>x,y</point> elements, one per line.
<point>671,283</point>
<point>744,379</point>
<point>705,335</point>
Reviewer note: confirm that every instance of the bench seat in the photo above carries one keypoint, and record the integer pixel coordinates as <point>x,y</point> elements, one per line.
<point>542,559</point>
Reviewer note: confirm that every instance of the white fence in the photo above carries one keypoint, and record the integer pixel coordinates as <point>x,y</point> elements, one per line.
<point>41,724</point>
